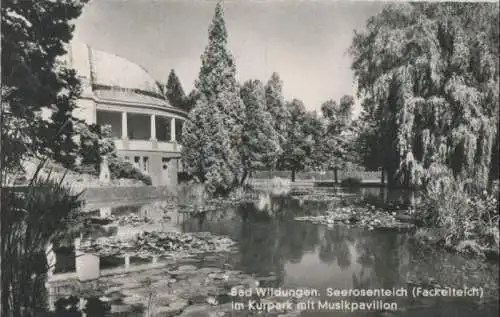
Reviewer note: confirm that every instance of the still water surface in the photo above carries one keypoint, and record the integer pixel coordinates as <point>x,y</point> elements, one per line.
<point>305,255</point>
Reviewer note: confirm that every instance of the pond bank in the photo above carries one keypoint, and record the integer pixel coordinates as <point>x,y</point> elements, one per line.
<point>108,197</point>
<point>471,248</point>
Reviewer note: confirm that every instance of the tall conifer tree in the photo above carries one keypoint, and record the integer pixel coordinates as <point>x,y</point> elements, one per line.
<point>276,107</point>
<point>212,136</point>
<point>260,143</point>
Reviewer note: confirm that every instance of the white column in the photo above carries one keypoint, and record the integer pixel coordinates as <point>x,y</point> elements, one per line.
<point>153,127</point>
<point>78,242</point>
<point>172,129</point>
<point>141,165</point>
<point>124,126</point>
<point>127,261</point>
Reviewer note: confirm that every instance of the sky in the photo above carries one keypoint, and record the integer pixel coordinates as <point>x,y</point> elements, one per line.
<point>306,42</point>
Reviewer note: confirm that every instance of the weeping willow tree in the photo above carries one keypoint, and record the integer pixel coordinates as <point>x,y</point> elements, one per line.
<point>428,73</point>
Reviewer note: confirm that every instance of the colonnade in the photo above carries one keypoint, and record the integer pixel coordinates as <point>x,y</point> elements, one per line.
<point>152,126</point>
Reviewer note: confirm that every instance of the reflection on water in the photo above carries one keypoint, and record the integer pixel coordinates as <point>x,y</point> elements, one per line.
<point>302,254</point>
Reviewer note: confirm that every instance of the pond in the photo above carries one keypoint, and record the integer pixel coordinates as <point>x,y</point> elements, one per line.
<point>281,252</point>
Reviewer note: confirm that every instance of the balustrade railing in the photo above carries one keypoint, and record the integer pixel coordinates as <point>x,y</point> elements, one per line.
<point>321,176</point>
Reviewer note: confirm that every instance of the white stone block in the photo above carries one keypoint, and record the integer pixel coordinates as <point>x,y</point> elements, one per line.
<point>87,266</point>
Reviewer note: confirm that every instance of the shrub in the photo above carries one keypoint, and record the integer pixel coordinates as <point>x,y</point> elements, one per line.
<point>468,220</point>
<point>183,177</point>
<point>351,182</point>
<point>120,168</point>
<point>87,169</point>
<point>97,141</point>
<point>90,139</point>
<point>30,220</point>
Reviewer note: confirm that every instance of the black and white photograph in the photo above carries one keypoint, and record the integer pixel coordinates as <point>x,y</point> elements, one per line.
<point>249,158</point>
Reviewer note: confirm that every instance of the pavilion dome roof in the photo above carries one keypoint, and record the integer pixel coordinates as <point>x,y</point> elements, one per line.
<point>110,76</point>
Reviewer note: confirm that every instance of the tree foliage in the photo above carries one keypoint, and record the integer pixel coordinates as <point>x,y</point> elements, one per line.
<point>275,104</point>
<point>335,149</point>
<point>212,135</point>
<point>260,142</point>
<point>299,141</point>
<point>174,91</point>
<point>233,131</point>
<point>367,143</point>
<point>89,139</point>
<point>217,77</point>
<point>314,131</point>
<point>207,152</point>
<point>33,38</point>
<point>428,73</point>
<point>191,100</point>
<point>338,116</point>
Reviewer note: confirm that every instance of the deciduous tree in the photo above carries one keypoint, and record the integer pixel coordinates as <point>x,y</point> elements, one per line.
<point>429,73</point>
<point>334,152</point>
<point>299,140</point>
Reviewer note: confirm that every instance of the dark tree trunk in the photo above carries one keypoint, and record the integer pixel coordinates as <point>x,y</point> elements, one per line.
<point>383,195</point>
<point>382,178</point>
<point>293,175</point>
<point>336,175</point>
<point>391,178</point>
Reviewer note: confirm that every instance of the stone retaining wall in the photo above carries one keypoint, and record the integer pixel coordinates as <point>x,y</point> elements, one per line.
<point>115,196</point>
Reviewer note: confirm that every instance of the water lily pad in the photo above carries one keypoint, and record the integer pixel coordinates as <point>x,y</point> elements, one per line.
<point>174,308</point>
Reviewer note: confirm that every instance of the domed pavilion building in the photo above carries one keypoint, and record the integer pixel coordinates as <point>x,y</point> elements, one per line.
<point>122,94</point>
